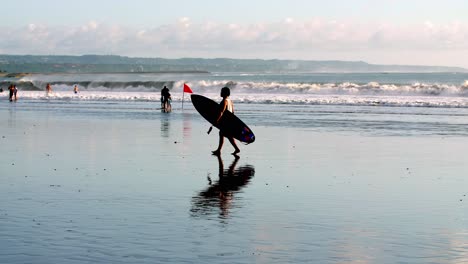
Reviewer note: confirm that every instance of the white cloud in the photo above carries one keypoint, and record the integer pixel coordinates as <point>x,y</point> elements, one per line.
<point>31,27</point>
<point>290,38</point>
<point>91,26</point>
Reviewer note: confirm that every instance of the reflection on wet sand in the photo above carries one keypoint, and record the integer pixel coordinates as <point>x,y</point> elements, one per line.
<point>165,126</point>
<point>12,119</point>
<point>221,194</point>
<point>187,131</point>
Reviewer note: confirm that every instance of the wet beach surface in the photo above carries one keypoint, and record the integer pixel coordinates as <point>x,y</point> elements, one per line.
<point>125,183</point>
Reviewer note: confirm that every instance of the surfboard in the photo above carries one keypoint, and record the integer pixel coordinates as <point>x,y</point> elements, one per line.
<point>229,125</point>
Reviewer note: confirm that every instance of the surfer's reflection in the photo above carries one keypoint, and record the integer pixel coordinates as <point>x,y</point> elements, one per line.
<point>221,194</point>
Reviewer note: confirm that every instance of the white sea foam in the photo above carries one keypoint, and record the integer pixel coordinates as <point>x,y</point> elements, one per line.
<point>465,84</point>
<point>153,84</point>
<point>259,98</point>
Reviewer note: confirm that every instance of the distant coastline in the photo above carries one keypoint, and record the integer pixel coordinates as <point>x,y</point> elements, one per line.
<point>14,75</point>
<point>22,64</point>
<point>23,74</point>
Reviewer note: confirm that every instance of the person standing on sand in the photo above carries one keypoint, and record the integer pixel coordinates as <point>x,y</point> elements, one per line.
<point>165,96</point>
<point>226,105</point>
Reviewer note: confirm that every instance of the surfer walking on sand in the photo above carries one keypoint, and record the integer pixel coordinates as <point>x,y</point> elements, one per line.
<point>226,105</point>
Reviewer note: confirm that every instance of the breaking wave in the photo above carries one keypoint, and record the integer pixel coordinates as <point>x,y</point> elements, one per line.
<point>246,87</point>
<point>251,89</point>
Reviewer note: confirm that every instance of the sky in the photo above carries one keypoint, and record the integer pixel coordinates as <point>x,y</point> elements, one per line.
<point>411,32</point>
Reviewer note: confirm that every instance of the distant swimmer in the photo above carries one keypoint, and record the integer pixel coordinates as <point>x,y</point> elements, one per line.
<point>226,105</point>
<point>15,91</point>
<point>48,88</point>
<point>75,89</point>
<point>12,89</point>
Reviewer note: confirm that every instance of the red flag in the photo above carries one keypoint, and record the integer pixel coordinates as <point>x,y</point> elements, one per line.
<point>187,89</point>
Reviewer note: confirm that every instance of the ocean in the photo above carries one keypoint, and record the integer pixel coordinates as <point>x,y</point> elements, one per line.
<point>395,103</point>
<point>346,168</point>
<point>367,89</point>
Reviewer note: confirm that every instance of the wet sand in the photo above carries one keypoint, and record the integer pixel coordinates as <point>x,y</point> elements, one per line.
<point>117,187</point>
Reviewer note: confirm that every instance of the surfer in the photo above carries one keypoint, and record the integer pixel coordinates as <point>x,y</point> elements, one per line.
<point>226,105</point>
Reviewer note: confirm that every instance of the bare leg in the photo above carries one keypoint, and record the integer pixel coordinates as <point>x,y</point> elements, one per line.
<point>233,143</point>
<point>220,145</point>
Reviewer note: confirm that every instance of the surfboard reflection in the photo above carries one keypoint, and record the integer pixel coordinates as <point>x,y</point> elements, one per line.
<point>219,196</point>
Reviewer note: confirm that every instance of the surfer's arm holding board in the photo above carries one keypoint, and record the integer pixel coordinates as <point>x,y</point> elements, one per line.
<point>225,105</point>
